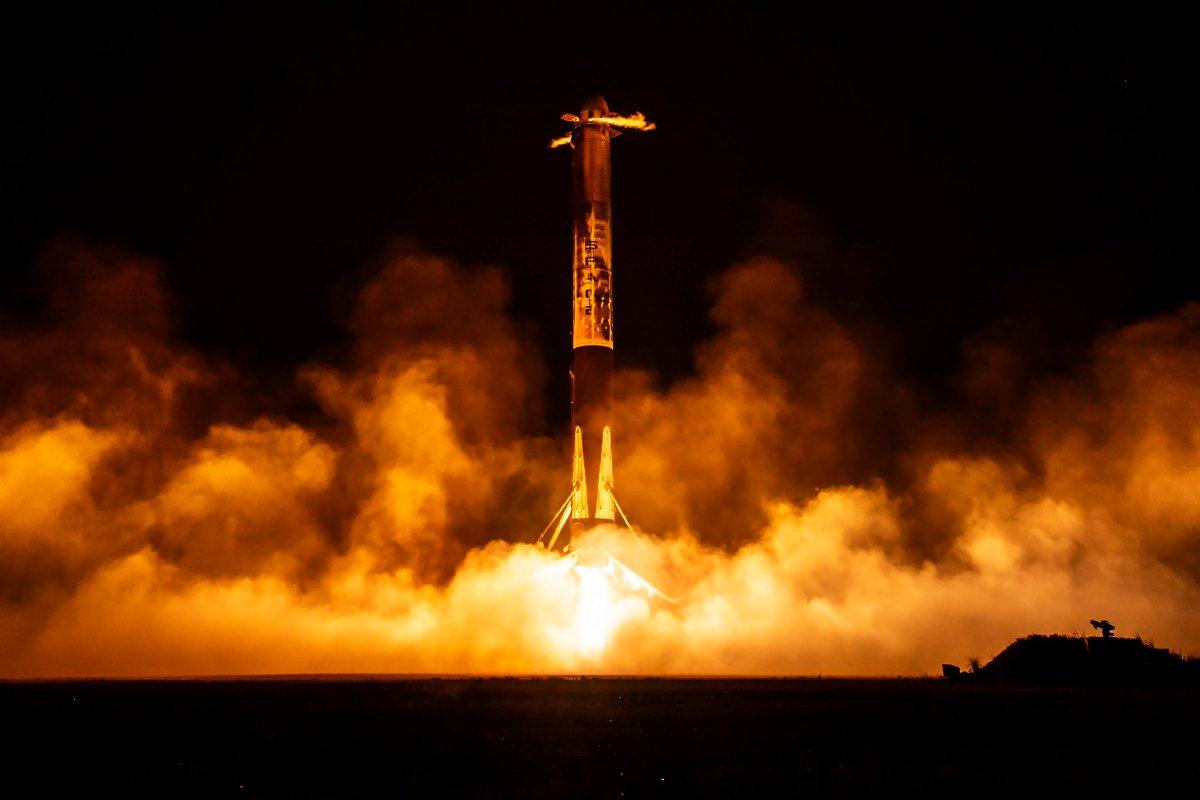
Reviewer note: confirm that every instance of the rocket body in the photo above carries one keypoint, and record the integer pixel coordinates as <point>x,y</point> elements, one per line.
<point>592,319</point>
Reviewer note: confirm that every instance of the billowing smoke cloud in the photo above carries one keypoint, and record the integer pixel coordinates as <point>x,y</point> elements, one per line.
<point>784,402</point>
<point>803,512</point>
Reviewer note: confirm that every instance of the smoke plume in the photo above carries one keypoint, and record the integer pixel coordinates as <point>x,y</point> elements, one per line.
<point>798,503</point>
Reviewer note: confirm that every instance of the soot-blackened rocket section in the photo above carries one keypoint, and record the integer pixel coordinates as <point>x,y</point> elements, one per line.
<point>592,499</point>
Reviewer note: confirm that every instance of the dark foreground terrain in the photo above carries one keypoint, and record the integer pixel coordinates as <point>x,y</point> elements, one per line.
<point>366,736</point>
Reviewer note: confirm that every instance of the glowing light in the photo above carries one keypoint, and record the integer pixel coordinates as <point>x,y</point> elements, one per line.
<point>636,121</point>
<point>599,594</point>
<point>596,614</point>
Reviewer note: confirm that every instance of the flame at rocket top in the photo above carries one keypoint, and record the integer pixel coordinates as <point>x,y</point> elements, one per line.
<point>636,121</point>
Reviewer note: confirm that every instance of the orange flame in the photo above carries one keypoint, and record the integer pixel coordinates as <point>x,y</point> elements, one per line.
<point>636,121</point>
<point>596,614</point>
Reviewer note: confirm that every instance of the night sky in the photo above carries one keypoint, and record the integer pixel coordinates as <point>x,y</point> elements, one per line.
<point>931,176</point>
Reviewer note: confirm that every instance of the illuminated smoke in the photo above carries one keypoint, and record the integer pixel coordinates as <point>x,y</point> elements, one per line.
<point>805,516</point>
<point>782,404</point>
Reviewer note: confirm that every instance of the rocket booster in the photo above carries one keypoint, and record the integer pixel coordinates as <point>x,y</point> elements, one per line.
<point>592,499</point>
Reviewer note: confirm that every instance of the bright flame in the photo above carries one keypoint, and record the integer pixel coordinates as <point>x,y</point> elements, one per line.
<point>599,593</point>
<point>636,121</point>
<point>596,614</point>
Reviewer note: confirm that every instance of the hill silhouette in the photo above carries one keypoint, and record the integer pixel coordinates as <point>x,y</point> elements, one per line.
<point>1060,660</point>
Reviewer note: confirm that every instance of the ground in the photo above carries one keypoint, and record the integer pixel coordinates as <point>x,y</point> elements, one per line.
<point>368,736</point>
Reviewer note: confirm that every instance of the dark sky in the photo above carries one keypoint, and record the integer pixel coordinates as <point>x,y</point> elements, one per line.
<point>931,175</point>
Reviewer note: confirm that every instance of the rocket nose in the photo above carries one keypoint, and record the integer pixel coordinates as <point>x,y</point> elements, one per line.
<point>594,107</point>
